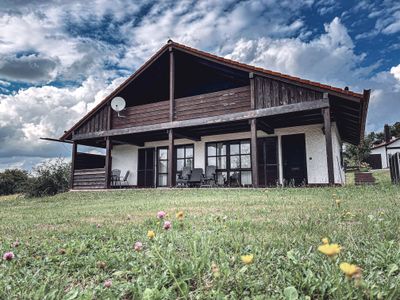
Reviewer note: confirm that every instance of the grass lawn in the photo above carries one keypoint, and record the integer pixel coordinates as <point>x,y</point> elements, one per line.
<point>70,244</point>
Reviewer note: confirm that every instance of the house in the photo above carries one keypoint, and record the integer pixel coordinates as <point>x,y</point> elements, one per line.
<point>186,107</point>
<point>379,156</point>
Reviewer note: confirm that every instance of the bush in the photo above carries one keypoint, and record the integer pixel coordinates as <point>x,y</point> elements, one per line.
<point>50,178</point>
<point>13,181</point>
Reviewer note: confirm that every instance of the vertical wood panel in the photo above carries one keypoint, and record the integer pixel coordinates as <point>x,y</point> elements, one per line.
<point>171,84</point>
<point>171,150</point>
<point>254,157</point>
<point>73,158</point>
<point>328,141</point>
<point>108,163</point>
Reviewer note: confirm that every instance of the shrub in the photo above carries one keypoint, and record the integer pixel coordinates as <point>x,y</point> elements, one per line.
<point>13,181</point>
<point>50,178</point>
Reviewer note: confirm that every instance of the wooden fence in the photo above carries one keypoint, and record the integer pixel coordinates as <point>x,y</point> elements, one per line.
<point>394,164</point>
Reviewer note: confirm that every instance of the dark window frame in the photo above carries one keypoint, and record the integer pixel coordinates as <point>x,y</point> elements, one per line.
<point>157,166</point>
<point>185,158</point>
<point>228,155</point>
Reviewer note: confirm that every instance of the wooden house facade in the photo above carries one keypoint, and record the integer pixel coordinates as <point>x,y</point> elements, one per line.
<point>186,107</point>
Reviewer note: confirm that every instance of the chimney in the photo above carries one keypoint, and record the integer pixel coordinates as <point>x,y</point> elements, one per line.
<point>386,132</point>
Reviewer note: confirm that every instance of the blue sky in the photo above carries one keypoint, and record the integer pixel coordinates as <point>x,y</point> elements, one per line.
<point>60,58</point>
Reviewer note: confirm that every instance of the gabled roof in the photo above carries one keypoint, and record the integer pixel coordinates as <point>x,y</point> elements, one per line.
<point>218,59</point>
<point>386,144</point>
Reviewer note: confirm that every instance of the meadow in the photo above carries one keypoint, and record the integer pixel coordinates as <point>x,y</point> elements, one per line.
<point>229,244</point>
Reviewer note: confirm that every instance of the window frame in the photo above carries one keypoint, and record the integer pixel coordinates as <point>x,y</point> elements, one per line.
<point>185,146</point>
<point>228,155</point>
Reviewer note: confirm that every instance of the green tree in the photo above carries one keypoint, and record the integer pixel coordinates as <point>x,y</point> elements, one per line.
<point>355,155</point>
<point>13,181</point>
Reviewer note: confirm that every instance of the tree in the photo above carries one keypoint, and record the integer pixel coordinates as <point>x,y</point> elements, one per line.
<point>50,178</point>
<point>13,181</point>
<point>355,155</point>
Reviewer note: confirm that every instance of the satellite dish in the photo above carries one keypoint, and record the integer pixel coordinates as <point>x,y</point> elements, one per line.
<point>118,104</point>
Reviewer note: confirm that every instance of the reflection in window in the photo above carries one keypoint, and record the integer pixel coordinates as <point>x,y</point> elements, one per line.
<point>233,162</point>
<point>184,157</point>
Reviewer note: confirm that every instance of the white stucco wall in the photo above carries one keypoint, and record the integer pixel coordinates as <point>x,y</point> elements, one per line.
<point>125,157</point>
<point>382,152</point>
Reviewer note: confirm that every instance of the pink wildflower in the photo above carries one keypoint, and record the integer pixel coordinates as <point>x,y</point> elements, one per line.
<point>108,283</point>
<point>15,244</point>
<point>167,225</point>
<point>161,214</point>
<point>138,246</point>
<point>8,256</point>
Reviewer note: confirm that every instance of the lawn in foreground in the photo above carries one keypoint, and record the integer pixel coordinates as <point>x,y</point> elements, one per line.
<point>71,244</point>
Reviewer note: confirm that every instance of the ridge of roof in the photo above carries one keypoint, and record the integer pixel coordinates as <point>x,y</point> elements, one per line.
<point>385,144</point>
<point>171,43</point>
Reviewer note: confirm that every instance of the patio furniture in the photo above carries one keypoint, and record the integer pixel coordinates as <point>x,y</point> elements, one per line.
<point>183,179</point>
<point>125,179</point>
<point>196,178</point>
<point>234,180</point>
<point>209,178</point>
<point>115,177</point>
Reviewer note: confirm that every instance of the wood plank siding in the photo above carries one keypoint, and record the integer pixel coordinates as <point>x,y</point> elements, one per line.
<point>98,122</point>
<point>270,93</point>
<point>213,104</point>
<point>89,179</point>
<point>146,114</point>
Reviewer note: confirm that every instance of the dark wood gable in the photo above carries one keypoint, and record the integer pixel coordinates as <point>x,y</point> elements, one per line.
<point>271,93</point>
<point>98,122</point>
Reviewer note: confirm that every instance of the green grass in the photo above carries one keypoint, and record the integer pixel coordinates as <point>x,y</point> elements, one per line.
<point>282,228</point>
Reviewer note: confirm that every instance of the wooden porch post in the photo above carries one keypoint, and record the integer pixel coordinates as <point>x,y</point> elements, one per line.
<point>254,159</point>
<point>74,150</point>
<point>171,84</point>
<point>171,150</point>
<point>326,112</point>
<point>108,163</point>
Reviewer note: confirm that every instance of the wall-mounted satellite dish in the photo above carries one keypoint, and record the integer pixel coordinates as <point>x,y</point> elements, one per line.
<point>118,104</point>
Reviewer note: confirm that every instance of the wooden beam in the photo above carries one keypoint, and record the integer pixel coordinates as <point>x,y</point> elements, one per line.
<point>187,135</point>
<point>262,125</point>
<point>73,158</point>
<point>171,84</point>
<point>254,158</point>
<point>258,113</point>
<point>252,91</point>
<point>328,142</point>
<point>171,163</point>
<point>127,142</point>
<point>108,163</point>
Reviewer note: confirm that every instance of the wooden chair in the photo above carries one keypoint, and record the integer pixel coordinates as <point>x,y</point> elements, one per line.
<point>183,179</point>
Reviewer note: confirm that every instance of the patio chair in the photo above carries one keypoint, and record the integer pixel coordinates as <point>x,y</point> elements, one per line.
<point>183,179</point>
<point>209,178</point>
<point>234,180</point>
<point>115,177</point>
<point>125,179</point>
<point>196,178</point>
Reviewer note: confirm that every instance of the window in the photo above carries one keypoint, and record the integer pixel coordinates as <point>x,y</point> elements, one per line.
<point>184,157</point>
<point>162,166</point>
<point>233,162</point>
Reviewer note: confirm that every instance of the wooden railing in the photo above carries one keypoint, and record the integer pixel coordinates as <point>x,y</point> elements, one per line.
<point>213,104</point>
<point>87,179</point>
<point>146,114</point>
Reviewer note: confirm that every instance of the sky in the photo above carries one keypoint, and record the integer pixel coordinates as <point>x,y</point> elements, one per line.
<point>59,58</point>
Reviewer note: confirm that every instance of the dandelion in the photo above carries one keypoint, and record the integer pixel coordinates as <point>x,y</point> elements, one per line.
<point>179,215</point>
<point>351,271</point>
<point>161,214</point>
<point>167,225</point>
<point>247,259</point>
<point>151,234</point>
<point>329,249</point>
<point>138,246</point>
<point>108,283</point>
<point>325,241</point>
<point>8,256</point>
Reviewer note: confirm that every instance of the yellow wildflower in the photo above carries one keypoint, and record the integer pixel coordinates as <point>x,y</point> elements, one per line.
<point>151,234</point>
<point>325,241</point>
<point>338,201</point>
<point>179,215</point>
<point>247,259</point>
<point>329,249</point>
<point>351,271</point>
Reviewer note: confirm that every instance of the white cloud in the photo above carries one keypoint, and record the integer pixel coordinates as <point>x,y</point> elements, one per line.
<point>395,71</point>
